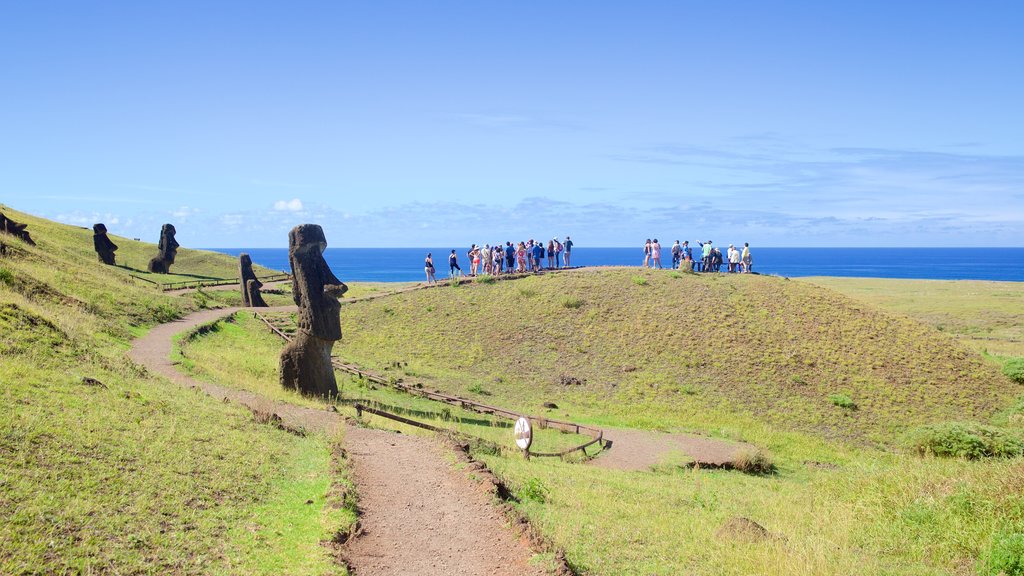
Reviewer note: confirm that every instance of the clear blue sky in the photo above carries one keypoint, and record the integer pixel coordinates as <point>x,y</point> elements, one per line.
<point>446,123</point>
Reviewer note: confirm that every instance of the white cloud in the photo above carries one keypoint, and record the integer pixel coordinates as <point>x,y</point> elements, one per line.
<point>293,205</point>
<point>184,212</point>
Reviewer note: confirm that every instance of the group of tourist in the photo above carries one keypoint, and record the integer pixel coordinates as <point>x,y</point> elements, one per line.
<point>710,257</point>
<point>528,256</point>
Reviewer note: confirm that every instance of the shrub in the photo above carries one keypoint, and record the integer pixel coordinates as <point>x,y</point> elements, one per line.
<point>1006,556</point>
<point>534,490</point>
<point>965,440</point>
<point>753,461</point>
<point>1014,369</point>
<point>572,302</point>
<point>527,292</point>
<point>6,276</point>
<point>675,275</point>
<point>639,280</point>
<point>843,401</point>
<point>487,279</point>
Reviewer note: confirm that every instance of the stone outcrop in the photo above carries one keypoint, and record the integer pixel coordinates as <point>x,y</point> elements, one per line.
<point>168,247</point>
<point>14,229</point>
<point>249,284</point>
<point>104,247</point>
<point>306,360</point>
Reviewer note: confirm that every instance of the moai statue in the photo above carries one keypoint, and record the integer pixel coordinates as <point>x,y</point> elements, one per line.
<point>14,229</point>
<point>161,264</point>
<point>104,247</point>
<point>249,283</point>
<point>306,360</point>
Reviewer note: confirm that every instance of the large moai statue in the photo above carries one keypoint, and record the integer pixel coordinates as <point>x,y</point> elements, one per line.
<point>306,360</point>
<point>249,284</point>
<point>104,247</point>
<point>168,247</point>
<point>14,229</point>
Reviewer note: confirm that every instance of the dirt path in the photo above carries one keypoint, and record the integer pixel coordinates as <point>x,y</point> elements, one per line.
<point>418,514</point>
<point>642,449</point>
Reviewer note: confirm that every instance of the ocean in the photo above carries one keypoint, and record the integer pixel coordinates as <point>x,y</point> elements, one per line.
<point>406,264</point>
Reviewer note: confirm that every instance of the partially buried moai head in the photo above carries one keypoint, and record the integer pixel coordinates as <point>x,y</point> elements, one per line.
<point>315,288</point>
<point>168,245</point>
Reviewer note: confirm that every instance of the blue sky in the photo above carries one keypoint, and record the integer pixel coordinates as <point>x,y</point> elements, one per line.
<point>446,123</point>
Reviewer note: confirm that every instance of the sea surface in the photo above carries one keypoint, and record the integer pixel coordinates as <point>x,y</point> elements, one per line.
<point>406,264</point>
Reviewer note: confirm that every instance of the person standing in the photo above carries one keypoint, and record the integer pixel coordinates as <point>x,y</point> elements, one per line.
<point>676,254</point>
<point>428,267</point>
<point>748,262</point>
<point>558,252</point>
<point>521,258</point>
<point>733,256</point>
<point>647,253</point>
<point>551,254</point>
<point>510,257</point>
<point>705,260</point>
<point>656,254</point>
<point>538,251</point>
<point>568,252</point>
<point>485,259</point>
<point>453,265</point>
<point>686,253</point>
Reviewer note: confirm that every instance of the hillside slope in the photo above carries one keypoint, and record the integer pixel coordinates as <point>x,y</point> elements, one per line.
<point>106,469</point>
<point>656,349</point>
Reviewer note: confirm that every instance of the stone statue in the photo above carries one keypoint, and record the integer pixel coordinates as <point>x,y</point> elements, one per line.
<point>104,247</point>
<point>168,249</point>
<point>306,360</point>
<point>14,229</point>
<point>249,283</point>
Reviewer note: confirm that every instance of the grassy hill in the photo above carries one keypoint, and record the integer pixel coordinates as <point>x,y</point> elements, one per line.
<point>75,243</point>
<point>105,469</point>
<point>663,350</point>
<point>835,505</point>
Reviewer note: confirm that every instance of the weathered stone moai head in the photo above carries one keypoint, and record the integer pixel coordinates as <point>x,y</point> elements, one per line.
<point>14,229</point>
<point>249,284</point>
<point>306,360</point>
<point>168,248</point>
<point>104,247</point>
<point>314,287</point>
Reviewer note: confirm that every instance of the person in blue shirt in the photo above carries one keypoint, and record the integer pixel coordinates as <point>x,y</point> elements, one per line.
<point>510,257</point>
<point>537,255</point>
<point>567,255</point>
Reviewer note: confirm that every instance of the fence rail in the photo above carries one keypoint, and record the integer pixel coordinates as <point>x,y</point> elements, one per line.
<point>207,282</point>
<point>596,434</point>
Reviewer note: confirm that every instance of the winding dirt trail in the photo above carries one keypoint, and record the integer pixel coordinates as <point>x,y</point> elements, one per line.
<point>419,516</point>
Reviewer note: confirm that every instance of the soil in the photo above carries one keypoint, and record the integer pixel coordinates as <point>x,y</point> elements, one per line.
<point>418,515</point>
<point>642,449</point>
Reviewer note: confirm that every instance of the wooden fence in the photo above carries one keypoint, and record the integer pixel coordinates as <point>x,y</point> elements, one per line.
<point>596,434</point>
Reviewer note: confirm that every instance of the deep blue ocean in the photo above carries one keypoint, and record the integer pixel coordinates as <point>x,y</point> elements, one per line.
<point>405,264</point>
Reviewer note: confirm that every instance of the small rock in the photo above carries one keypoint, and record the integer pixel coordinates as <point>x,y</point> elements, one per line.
<point>551,406</point>
<point>744,530</point>
<point>92,382</point>
<point>310,501</point>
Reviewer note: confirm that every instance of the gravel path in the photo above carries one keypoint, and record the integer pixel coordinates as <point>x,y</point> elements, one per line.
<point>418,514</point>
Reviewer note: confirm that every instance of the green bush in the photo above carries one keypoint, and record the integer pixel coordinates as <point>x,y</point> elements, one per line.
<point>534,490</point>
<point>487,279</point>
<point>639,280</point>
<point>6,276</point>
<point>675,275</point>
<point>965,440</point>
<point>1006,556</point>
<point>572,302</point>
<point>1014,369</point>
<point>843,401</point>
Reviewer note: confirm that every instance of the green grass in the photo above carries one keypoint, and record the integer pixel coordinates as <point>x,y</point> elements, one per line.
<point>759,351</point>
<point>134,474</point>
<point>987,316</point>
<point>776,351</point>
<point>243,354</point>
